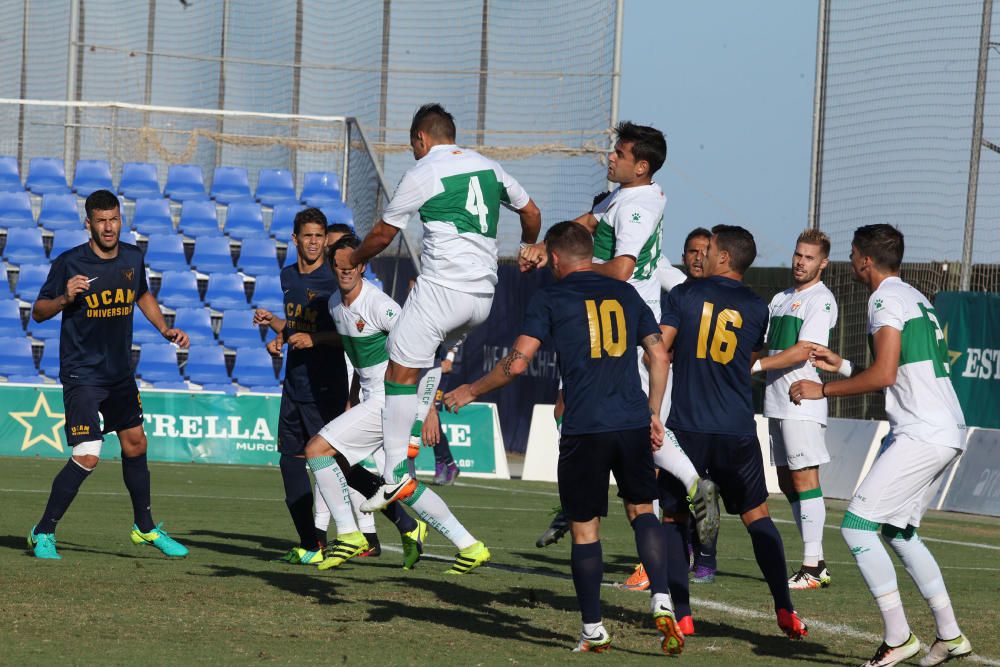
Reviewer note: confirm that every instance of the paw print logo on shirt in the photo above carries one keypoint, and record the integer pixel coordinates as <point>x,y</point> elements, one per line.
<point>878,304</point>
<point>636,217</point>
<point>390,313</point>
<point>826,307</point>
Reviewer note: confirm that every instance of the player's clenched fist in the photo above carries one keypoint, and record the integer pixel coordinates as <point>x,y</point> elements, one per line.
<point>532,256</point>
<point>262,316</point>
<point>461,396</point>
<point>76,285</point>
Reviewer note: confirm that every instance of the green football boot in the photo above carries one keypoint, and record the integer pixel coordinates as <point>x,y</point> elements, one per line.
<point>413,545</point>
<point>43,545</point>
<point>158,538</point>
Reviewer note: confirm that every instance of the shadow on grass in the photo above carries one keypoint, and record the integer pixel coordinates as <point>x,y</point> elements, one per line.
<point>772,644</point>
<point>266,547</point>
<point>15,542</point>
<point>299,581</point>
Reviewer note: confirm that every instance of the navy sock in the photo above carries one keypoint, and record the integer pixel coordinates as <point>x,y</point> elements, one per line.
<point>64,488</point>
<point>651,545</point>
<point>320,537</point>
<point>442,450</point>
<point>367,483</point>
<point>299,498</point>
<point>770,554</point>
<point>587,563</point>
<point>403,521</point>
<point>135,472</point>
<point>704,554</point>
<point>677,567</point>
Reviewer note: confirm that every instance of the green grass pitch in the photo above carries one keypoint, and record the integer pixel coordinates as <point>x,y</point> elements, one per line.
<point>109,602</point>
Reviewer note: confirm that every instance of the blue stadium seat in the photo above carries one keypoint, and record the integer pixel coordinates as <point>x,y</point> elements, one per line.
<point>24,246</point>
<point>49,363</point>
<point>5,292</point>
<point>46,175</point>
<point>292,255</point>
<point>139,181</point>
<point>339,213</point>
<point>197,323</point>
<point>199,218</point>
<point>47,330</point>
<point>60,212</point>
<point>267,293</point>
<point>275,186</point>
<point>30,280</point>
<point>152,216</point>
<point>185,181</point>
<point>10,320</point>
<point>126,236</point>
<point>258,256</point>
<point>283,221</point>
<point>230,184</point>
<point>245,220</point>
<point>16,359</point>
<point>15,210</point>
<point>226,292</point>
<point>143,330</point>
<point>165,252</point>
<point>238,329</point>
<point>10,175</point>
<point>211,254</point>
<point>320,188</point>
<point>208,366</point>
<point>158,363</point>
<point>92,175</point>
<point>178,289</point>
<point>254,368</point>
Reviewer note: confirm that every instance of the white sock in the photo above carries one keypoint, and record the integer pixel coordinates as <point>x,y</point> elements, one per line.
<point>658,600</point>
<point>656,508</point>
<point>321,513</point>
<point>435,512</point>
<point>926,574</point>
<point>397,419</point>
<point>365,520</point>
<point>333,486</point>
<point>877,571</point>
<point>590,629</point>
<point>672,458</point>
<point>812,516</point>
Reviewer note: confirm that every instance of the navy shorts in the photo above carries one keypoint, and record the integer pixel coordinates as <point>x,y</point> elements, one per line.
<point>298,421</point>
<point>585,462</point>
<point>84,405</point>
<point>733,462</point>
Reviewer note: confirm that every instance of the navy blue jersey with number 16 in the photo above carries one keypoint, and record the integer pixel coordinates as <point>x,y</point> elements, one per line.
<point>595,323</point>
<point>720,323</point>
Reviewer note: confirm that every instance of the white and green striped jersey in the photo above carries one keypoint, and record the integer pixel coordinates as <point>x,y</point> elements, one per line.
<point>628,223</point>
<point>809,315</point>
<point>922,403</point>
<point>458,194</point>
<point>364,328</point>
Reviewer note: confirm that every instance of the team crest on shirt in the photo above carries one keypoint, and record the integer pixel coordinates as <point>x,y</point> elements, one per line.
<point>311,294</point>
<point>360,324</point>
<point>128,274</point>
<point>796,305</point>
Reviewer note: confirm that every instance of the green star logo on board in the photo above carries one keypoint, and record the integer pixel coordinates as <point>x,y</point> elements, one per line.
<point>953,355</point>
<point>878,304</point>
<point>40,425</point>
<point>636,217</point>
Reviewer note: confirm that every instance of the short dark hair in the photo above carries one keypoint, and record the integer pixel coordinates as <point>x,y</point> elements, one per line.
<point>883,243</point>
<point>739,243</point>
<point>339,228</point>
<point>101,200</point>
<point>434,120</point>
<point>570,238</point>
<point>308,216</point>
<point>350,241</point>
<point>696,233</point>
<point>647,142</point>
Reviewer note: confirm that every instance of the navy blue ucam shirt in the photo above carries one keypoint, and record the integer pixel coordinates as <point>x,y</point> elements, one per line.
<point>95,339</point>
<point>595,324</point>
<point>318,372</point>
<point>720,322</point>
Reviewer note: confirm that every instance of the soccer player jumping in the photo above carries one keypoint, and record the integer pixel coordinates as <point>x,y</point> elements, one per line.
<point>928,430</point>
<point>457,194</point>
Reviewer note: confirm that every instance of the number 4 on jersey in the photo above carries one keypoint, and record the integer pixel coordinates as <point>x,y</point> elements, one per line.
<point>475,204</point>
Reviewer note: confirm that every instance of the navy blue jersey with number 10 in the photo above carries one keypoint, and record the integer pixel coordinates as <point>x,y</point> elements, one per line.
<point>720,323</point>
<point>595,323</point>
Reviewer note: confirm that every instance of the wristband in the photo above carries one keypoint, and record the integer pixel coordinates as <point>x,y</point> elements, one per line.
<point>756,367</point>
<point>823,390</point>
<point>845,368</point>
<point>450,356</point>
<point>525,244</point>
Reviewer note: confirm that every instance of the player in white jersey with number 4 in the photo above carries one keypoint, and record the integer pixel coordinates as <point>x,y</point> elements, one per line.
<point>365,317</point>
<point>804,313</point>
<point>457,193</point>
<point>912,366</point>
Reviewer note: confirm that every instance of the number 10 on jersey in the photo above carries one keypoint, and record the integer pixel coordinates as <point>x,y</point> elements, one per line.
<point>607,328</point>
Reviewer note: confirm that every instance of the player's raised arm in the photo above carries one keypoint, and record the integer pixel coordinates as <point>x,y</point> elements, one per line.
<point>878,376</point>
<point>377,240</point>
<point>514,364</point>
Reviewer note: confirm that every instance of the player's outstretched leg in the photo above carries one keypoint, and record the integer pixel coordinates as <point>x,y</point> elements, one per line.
<point>397,422</point>
<point>876,567</point>
<point>299,500</point>
<point>677,572</point>
<point>42,537</point>
<point>412,532</point>
<point>333,485</point>
<point>652,546</point>
<point>923,569</point>
<point>557,528</point>
<point>769,551</point>
<point>471,552</point>
<point>587,565</point>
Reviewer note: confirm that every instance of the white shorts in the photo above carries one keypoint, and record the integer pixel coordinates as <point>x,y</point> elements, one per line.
<point>357,433</point>
<point>797,443</point>
<point>432,315</point>
<point>902,482</point>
